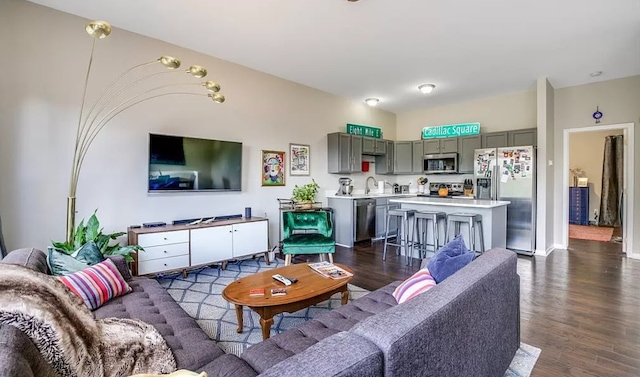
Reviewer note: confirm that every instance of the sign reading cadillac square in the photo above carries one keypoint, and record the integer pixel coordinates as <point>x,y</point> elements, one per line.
<point>356,129</point>
<point>451,130</point>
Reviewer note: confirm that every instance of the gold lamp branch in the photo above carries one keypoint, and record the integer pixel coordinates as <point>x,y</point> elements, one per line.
<point>101,112</point>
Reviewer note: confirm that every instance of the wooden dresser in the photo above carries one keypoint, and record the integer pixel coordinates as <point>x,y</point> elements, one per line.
<point>180,247</point>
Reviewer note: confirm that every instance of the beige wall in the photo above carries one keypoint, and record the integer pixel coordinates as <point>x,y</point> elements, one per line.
<point>501,113</point>
<point>586,150</point>
<point>44,59</point>
<point>545,179</point>
<point>619,101</point>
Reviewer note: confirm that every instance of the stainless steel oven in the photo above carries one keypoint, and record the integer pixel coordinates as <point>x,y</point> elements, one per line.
<point>441,163</point>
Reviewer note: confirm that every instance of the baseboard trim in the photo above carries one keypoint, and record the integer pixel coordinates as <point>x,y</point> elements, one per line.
<point>633,256</point>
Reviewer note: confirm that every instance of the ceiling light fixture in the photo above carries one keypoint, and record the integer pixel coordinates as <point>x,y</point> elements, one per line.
<point>426,88</point>
<point>595,74</point>
<point>372,101</point>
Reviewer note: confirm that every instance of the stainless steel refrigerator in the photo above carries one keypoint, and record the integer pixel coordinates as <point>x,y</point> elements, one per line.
<point>510,174</point>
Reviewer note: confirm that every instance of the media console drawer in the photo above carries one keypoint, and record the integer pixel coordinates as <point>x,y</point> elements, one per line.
<point>163,251</point>
<point>164,264</point>
<point>163,238</point>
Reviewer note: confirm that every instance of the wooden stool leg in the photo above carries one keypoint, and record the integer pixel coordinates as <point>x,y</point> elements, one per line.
<point>481,236</point>
<point>472,236</point>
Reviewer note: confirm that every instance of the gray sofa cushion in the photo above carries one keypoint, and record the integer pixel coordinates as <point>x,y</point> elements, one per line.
<point>32,258</point>
<point>19,357</point>
<point>270,352</point>
<point>342,354</point>
<point>473,314</point>
<point>151,303</point>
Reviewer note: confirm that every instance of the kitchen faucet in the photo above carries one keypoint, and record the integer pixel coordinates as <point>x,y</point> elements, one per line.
<point>366,185</point>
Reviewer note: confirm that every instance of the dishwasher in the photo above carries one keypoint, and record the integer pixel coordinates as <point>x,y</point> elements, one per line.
<point>364,223</point>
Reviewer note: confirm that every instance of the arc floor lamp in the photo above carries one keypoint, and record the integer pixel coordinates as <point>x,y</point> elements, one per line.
<point>108,104</point>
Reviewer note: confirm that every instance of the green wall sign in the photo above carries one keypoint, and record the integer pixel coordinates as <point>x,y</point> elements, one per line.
<point>356,129</point>
<point>451,130</point>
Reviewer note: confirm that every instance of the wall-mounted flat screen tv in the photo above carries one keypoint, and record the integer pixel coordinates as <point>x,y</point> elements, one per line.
<point>178,164</point>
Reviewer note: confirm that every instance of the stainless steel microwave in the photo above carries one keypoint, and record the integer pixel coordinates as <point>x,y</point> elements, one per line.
<point>441,163</point>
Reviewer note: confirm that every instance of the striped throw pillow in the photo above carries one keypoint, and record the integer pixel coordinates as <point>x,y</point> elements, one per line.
<point>418,283</point>
<point>97,284</point>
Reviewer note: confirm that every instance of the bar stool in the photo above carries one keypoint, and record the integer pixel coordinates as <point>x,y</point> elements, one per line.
<point>473,220</point>
<point>403,239</point>
<point>421,236</point>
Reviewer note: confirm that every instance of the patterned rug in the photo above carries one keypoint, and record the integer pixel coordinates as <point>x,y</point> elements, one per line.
<point>200,295</point>
<point>590,232</point>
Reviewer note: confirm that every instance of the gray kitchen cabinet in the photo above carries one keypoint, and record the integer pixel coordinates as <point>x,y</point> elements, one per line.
<point>382,208</point>
<point>431,146</point>
<point>384,163</point>
<point>344,153</point>
<point>368,145</point>
<point>343,220</point>
<point>527,136</point>
<point>418,158</point>
<point>466,146</point>
<point>373,146</point>
<point>437,146</point>
<point>449,145</point>
<point>494,140</point>
<point>403,157</point>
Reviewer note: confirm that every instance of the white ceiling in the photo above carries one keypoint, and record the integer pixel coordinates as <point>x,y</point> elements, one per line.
<point>386,48</point>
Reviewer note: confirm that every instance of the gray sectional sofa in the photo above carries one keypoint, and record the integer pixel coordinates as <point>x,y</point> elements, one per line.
<point>467,325</point>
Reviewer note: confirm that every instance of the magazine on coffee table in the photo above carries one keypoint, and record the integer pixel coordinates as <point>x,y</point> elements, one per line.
<point>330,270</point>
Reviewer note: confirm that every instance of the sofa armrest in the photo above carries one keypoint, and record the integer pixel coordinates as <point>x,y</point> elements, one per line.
<point>122,266</point>
<point>32,258</point>
<point>342,354</point>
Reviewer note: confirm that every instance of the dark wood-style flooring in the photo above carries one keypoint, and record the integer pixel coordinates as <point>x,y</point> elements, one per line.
<point>580,306</point>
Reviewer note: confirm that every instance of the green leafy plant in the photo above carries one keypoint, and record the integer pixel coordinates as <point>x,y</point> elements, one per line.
<point>422,181</point>
<point>306,193</point>
<point>91,235</point>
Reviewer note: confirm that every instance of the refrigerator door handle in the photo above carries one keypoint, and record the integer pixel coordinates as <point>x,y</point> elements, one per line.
<point>496,191</point>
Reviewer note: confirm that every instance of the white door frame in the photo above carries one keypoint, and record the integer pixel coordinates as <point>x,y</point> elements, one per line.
<point>628,187</point>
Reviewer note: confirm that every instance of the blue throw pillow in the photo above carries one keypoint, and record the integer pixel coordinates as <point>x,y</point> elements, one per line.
<point>449,259</point>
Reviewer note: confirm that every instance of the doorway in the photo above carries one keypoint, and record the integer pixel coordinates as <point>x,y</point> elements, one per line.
<point>571,190</point>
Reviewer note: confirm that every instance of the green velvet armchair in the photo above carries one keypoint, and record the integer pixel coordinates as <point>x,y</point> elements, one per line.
<point>307,233</point>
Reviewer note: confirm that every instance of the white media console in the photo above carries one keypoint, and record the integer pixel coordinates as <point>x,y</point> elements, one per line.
<point>180,247</point>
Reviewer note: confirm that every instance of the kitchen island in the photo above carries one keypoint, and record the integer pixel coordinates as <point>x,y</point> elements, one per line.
<point>494,216</point>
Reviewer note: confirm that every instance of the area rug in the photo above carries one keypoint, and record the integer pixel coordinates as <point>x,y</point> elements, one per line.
<point>200,295</point>
<point>591,233</point>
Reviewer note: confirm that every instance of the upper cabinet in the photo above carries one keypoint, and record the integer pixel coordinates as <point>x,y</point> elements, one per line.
<point>403,157</point>
<point>344,153</point>
<point>514,138</point>
<point>438,146</point>
<point>384,163</point>
<point>494,140</point>
<point>466,147</point>
<point>522,137</point>
<point>373,146</point>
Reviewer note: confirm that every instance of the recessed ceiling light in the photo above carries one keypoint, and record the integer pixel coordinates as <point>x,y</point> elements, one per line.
<point>595,74</point>
<point>426,88</point>
<point>372,101</point>
<point>352,1</point>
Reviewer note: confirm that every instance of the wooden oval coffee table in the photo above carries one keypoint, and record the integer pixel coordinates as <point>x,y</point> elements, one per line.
<point>310,289</point>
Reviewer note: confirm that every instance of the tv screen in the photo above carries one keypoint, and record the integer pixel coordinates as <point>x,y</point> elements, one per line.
<point>179,163</point>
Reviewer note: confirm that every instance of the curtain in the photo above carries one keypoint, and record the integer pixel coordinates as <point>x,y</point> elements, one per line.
<point>3,248</point>
<point>612,182</point>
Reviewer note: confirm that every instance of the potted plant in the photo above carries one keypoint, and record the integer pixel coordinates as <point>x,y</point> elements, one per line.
<point>304,196</point>
<point>422,181</point>
<point>89,238</point>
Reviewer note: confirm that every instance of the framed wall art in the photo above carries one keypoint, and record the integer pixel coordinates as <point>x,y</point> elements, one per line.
<point>273,168</point>
<point>299,159</point>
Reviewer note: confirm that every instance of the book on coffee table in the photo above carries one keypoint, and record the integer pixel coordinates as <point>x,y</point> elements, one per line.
<point>330,270</point>
<point>278,291</point>
<point>256,292</point>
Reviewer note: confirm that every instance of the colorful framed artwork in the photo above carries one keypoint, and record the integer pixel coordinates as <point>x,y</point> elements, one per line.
<point>299,159</point>
<point>273,168</point>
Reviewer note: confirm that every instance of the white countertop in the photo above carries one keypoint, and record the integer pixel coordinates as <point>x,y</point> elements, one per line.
<point>451,202</point>
<point>371,196</point>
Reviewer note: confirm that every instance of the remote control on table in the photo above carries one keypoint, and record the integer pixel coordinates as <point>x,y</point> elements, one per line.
<point>282,279</point>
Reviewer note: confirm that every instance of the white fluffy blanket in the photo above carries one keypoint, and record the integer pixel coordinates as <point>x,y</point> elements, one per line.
<point>69,338</point>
